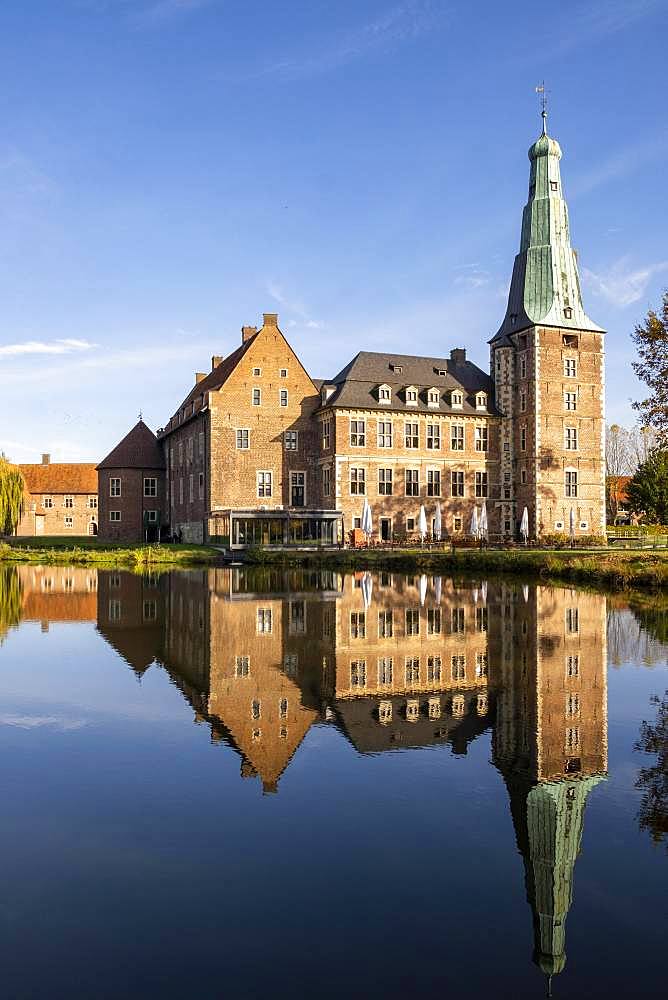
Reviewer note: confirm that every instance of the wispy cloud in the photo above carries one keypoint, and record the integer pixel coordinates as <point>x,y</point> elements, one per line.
<point>397,25</point>
<point>66,345</point>
<point>294,306</point>
<point>622,284</point>
<point>596,21</point>
<point>620,163</point>
<point>41,721</point>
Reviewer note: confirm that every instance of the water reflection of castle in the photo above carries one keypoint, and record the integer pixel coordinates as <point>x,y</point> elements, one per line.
<point>396,663</point>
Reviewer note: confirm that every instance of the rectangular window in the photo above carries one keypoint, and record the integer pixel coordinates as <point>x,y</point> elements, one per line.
<point>457,437</point>
<point>114,610</point>
<point>410,524</point>
<point>326,480</point>
<point>180,490</point>
<point>570,401</point>
<point>481,484</point>
<point>384,433</point>
<point>571,438</point>
<point>434,436</point>
<point>573,666</point>
<point>264,621</point>
<point>201,485</point>
<point>92,503</point>
<point>291,440</point>
<point>283,397</point>
<point>572,739</point>
<point>523,439</point>
<point>297,618</point>
<point>298,489</point>
<point>150,486</point>
<point>411,435</point>
<point>326,434</point>
<point>385,625</point>
<point>433,621</point>
<point>433,397</point>
<point>523,402</point>
<point>114,487</point>
<point>191,488</point>
<point>264,484</point>
<point>152,516</point>
<point>385,482</point>
<point>523,366</point>
<point>481,666</point>
<point>256,398</point>
<point>457,484</point>
<point>284,373</point>
<point>434,669</point>
<point>572,621</point>
<point>357,482</point>
<point>412,483</point>
<point>481,619</point>
<point>357,624</point>
<point>114,515</point>
<point>458,667</point>
<point>357,433</point>
<point>572,705</point>
<point>358,673</point>
<point>200,439</point>
<point>571,483</point>
<point>69,521</point>
<point>433,482</point>
<point>242,666</point>
<point>570,368</point>
<point>385,670</point>
<point>257,372</point>
<point>412,621</point>
<point>458,619</point>
<point>47,503</point>
<point>412,670</point>
<point>481,438</point>
<point>243,438</point>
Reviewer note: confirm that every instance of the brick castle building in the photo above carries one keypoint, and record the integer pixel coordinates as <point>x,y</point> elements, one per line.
<point>260,453</point>
<point>61,499</point>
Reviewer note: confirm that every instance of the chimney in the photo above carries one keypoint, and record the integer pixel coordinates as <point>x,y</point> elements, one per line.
<point>247,332</point>
<point>458,355</point>
<point>270,319</point>
<point>46,459</point>
<point>215,361</point>
<point>199,376</point>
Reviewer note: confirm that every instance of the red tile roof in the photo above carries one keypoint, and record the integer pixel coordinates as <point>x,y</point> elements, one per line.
<point>60,477</point>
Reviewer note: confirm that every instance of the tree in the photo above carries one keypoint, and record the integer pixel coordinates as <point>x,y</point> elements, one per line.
<point>653,780</point>
<point>651,340</point>
<point>647,490</point>
<point>12,496</point>
<point>618,463</point>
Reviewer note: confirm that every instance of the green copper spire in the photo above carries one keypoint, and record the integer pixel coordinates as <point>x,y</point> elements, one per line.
<point>545,287</point>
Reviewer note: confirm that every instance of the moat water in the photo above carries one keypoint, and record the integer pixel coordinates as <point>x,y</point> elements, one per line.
<point>265,784</point>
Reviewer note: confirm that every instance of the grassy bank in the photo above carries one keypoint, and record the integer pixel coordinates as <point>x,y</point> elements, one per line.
<point>90,552</point>
<point>605,568</point>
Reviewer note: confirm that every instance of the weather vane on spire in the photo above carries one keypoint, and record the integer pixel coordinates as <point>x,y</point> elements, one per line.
<point>141,416</point>
<point>540,89</point>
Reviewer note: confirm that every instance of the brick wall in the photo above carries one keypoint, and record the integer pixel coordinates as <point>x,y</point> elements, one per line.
<point>131,504</point>
<point>39,519</point>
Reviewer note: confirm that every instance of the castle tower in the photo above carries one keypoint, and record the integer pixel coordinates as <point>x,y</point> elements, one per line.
<point>548,368</point>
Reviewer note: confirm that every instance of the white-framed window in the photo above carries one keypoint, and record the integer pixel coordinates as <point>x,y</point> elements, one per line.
<point>523,366</point>
<point>573,704</point>
<point>384,394</point>
<point>456,399</point>
<point>570,401</point>
<point>481,484</point>
<point>385,625</point>
<point>573,665</point>
<point>572,621</point>
<point>457,485</point>
<point>572,739</point>
<point>114,515</point>
<point>433,397</point>
<point>570,368</point>
<point>264,621</point>
<point>412,479</point>
<point>256,396</point>
<point>385,670</point>
<point>92,503</point>
<point>457,437</point>
<point>114,486</point>
<point>433,621</point>
<point>434,669</point>
<point>571,483</point>
<point>458,667</point>
<point>458,621</point>
<point>412,621</point>
<point>410,524</point>
<point>326,480</point>
<point>571,438</point>
<point>481,666</point>
<point>357,433</point>
<point>434,436</point>
<point>357,482</point>
<point>257,372</point>
<point>283,397</point>
<point>433,482</point>
<point>358,673</point>
<point>358,625</point>
<point>264,484</point>
<point>283,708</point>
<point>152,516</point>
<point>411,396</point>
<point>481,618</point>
<point>385,482</point>
<point>411,435</point>
<point>298,489</point>
<point>481,438</point>
<point>283,372</point>
<point>47,503</point>
<point>481,401</point>
<point>291,440</point>
<point>412,670</point>
<point>68,502</point>
<point>523,439</point>
<point>150,486</point>
<point>326,434</point>
<point>69,521</point>
<point>384,433</point>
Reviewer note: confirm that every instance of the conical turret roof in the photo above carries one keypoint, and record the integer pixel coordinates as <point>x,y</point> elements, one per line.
<point>139,449</point>
<point>545,286</point>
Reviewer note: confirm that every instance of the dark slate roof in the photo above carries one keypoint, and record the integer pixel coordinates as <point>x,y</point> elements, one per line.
<point>357,384</point>
<point>138,450</point>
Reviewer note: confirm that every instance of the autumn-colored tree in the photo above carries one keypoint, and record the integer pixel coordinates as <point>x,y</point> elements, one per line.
<point>653,780</point>
<point>647,490</point>
<point>651,340</point>
<point>12,496</point>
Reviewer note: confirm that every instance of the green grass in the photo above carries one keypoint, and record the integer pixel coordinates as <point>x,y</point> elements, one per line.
<point>92,552</point>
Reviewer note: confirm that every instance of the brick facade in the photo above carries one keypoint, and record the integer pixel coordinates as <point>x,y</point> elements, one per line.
<point>61,499</point>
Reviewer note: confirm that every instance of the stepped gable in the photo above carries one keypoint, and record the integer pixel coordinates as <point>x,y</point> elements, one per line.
<point>139,449</point>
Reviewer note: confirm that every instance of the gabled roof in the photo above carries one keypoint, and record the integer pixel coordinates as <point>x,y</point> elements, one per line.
<point>60,477</point>
<point>138,450</point>
<point>358,382</point>
<point>220,373</point>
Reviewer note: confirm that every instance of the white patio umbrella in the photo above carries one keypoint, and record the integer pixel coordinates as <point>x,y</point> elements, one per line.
<point>483,521</point>
<point>525,592</point>
<point>483,590</point>
<point>437,589</point>
<point>571,524</point>
<point>367,590</point>
<point>475,595</point>
<point>475,524</point>
<point>438,527</point>
<point>423,589</point>
<point>524,525</point>
<point>422,523</point>
<point>367,520</point>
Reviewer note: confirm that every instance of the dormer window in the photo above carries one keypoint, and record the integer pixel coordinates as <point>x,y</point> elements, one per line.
<point>411,396</point>
<point>433,397</point>
<point>441,371</point>
<point>456,399</point>
<point>568,313</point>
<point>481,401</point>
<point>396,368</point>
<point>384,394</point>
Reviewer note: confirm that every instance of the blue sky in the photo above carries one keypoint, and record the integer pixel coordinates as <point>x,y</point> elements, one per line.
<point>170,169</point>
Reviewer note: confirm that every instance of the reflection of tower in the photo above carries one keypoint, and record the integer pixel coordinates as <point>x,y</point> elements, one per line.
<point>550,743</point>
